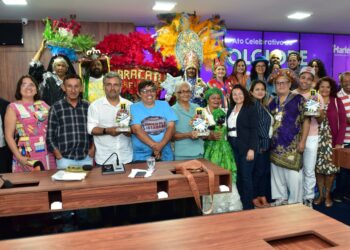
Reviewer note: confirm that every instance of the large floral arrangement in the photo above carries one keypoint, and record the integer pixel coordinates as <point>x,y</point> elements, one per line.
<point>62,37</point>
<point>134,49</point>
<point>133,56</point>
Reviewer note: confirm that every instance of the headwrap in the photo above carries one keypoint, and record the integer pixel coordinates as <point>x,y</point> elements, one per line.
<point>283,72</point>
<point>212,91</point>
<point>217,63</point>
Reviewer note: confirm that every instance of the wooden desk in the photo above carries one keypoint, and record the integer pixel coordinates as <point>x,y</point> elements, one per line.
<point>341,157</point>
<point>99,190</point>
<point>241,230</point>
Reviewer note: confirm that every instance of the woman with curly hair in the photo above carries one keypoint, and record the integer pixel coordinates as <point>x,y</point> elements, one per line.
<point>331,135</point>
<point>242,120</point>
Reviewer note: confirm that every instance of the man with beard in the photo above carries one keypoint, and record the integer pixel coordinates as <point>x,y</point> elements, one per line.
<point>275,60</point>
<point>96,66</point>
<point>102,122</point>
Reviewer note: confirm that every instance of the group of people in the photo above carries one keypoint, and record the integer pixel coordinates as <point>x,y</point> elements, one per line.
<point>260,127</point>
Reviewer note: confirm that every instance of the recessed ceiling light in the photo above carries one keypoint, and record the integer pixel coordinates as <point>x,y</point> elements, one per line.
<point>299,15</point>
<point>164,6</point>
<point>15,2</point>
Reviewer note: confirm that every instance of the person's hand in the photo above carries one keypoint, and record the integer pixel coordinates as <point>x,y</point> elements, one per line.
<point>23,161</point>
<point>214,136</point>
<point>57,154</point>
<point>42,44</point>
<point>91,152</point>
<point>250,155</point>
<point>301,147</point>
<point>112,131</point>
<point>127,134</point>
<point>157,155</point>
<point>157,147</point>
<point>194,135</point>
<point>338,146</point>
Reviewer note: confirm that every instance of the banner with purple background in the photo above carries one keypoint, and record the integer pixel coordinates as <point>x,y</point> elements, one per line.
<point>332,50</point>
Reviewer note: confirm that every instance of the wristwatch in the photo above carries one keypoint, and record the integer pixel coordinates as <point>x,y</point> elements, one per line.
<point>104,131</point>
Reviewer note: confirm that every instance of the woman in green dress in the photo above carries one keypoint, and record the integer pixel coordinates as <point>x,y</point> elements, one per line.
<point>218,150</point>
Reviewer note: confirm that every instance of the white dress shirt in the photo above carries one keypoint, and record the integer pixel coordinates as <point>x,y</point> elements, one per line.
<point>102,114</point>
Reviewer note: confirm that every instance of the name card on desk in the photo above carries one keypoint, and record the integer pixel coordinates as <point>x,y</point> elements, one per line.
<point>68,176</point>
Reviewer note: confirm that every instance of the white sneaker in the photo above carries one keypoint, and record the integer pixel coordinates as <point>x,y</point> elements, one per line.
<point>308,202</point>
<point>279,202</point>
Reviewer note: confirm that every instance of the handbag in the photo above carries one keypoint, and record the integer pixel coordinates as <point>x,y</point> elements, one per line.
<point>194,166</point>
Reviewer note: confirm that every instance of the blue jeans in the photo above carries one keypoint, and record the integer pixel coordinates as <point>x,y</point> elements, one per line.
<point>65,162</point>
<point>244,175</point>
<point>261,174</point>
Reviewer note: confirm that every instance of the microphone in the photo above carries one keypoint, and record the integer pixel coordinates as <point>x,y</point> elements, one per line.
<point>79,168</point>
<point>6,184</point>
<point>114,168</point>
<point>110,158</point>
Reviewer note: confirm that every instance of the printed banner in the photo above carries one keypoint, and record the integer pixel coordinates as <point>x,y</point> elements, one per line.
<point>341,55</point>
<point>332,50</point>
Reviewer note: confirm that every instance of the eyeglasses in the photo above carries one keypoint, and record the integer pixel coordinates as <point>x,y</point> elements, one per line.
<point>282,83</point>
<point>148,91</point>
<point>184,92</point>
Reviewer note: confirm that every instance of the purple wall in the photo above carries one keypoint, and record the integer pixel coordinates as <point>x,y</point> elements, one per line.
<point>333,50</point>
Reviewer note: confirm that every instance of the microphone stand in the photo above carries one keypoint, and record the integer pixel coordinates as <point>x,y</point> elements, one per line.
<point>119,166</point>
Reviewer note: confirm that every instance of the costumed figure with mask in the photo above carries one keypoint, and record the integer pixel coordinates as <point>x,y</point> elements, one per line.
<point>198,86</point>
<point>95,67</point>
<point>193,43</point>
<point>189,53</point>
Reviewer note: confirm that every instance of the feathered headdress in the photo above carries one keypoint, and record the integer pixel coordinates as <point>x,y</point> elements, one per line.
<point>182,33</point>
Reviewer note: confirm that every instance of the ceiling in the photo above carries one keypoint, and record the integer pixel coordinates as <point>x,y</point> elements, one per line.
<point>329,16</point>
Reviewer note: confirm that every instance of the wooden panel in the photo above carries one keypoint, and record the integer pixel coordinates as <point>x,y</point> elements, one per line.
<point>14,60</point>
<point>18,204</point>
<point>107,196</point>
<point>242,230</point>
<point>341,157</point>
<point>179,188</point>
<point>103,190</point>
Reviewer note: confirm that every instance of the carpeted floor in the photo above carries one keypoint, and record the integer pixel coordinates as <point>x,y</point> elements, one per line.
<point>339,211</point>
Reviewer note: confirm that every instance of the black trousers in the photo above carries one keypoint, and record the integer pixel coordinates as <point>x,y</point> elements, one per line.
<point>6,160</point>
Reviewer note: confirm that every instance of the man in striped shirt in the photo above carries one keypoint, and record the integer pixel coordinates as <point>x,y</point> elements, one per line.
<point>343,178</point>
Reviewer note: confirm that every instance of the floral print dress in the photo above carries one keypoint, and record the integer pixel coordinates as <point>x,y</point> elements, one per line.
<point>324,164</point>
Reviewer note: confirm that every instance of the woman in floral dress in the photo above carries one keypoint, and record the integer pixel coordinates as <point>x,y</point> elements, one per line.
<point>331,133</point>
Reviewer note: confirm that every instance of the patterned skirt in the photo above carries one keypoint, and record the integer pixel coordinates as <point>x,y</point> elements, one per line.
<point>324,164</point>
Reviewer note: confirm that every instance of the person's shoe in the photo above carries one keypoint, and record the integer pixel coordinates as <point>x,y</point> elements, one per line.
<point>318,201</point>
<point>279,202</point>
<point>346,197</point>
<point>337,198</point>
<point>308,202</point>
<point>257,203</point>
<point>328,203</point>
<point>263,201</point>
